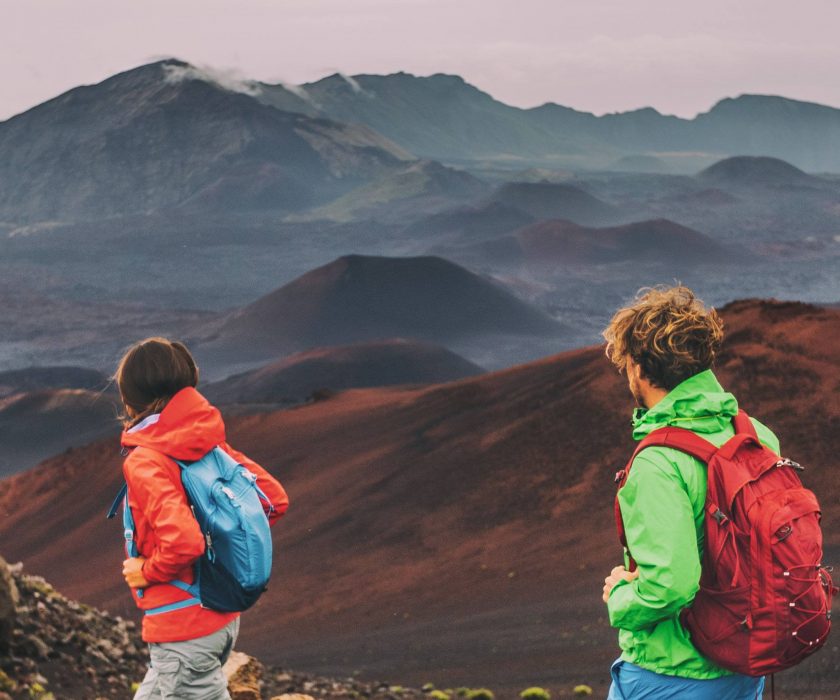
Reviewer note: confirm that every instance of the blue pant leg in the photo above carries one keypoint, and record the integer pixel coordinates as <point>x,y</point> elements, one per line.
<point>630,682</point>
<point>615,687</point>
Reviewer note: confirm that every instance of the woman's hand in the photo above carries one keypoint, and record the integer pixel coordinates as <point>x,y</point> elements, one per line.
<point>133,572</point>
<point>619,573</point>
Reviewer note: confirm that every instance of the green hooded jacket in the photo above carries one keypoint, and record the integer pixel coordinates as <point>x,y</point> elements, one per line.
<point>662,506</point>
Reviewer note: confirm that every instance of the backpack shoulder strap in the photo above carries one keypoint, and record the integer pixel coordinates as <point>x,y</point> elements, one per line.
<point>679,439</point>
<point>685,441</point>
<point>112,511</point>
<point>183,464</point>
<point>743,425</point>
<point>668,436</point>
<point>675,438</point>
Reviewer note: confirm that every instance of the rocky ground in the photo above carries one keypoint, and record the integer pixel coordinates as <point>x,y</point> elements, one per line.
<point>62,649</point>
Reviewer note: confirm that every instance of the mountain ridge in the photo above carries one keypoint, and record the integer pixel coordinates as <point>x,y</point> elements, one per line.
<point>158,143</point>
<point>442,116</point>
<point>613,134</point>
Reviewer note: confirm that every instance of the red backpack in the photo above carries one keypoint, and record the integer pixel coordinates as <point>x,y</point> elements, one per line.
<point>764,602</point>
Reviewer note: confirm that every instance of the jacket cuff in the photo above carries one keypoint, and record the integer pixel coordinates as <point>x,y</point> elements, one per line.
<point>618,602</point>
<point>151,573</point>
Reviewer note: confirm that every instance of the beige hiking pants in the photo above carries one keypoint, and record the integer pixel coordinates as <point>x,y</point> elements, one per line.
<point>190,670</point>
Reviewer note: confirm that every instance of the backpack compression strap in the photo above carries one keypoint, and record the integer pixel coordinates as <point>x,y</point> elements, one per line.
<point>678,439</point>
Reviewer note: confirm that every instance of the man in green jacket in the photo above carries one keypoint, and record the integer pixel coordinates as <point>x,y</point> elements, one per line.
<point>666,343</point>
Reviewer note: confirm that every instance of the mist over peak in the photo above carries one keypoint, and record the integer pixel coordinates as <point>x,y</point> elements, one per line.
<point>227,79</point>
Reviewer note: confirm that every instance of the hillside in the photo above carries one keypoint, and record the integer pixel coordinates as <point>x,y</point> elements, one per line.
<point>37,378</point>
<point>51,329</point>
<point>420,186</point>
<point>548,244</point>
<point>38,424</point>
<point>377,363</point>
<point>434,531</point>
<point>468,224</point>
<point>549,200</point>
<point>356,298</point>
<point>746,171</point>
<point>163,136</point>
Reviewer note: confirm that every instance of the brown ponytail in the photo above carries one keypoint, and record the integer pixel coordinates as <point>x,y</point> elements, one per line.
<point>150,373</point>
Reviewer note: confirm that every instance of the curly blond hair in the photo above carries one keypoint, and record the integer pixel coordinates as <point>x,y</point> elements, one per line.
<point>668,332</point>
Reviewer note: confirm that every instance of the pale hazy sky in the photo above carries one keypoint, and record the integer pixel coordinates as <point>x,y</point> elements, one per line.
<point>679,56</point>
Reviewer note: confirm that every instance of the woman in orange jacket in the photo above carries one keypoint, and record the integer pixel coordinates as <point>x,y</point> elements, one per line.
<point>166,419</point>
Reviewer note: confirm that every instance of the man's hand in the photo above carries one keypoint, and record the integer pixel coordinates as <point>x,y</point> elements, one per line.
<point>619,573</point>
<point>133,572</point>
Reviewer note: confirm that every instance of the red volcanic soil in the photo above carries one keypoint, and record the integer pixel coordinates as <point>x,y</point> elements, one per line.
<point>356,298</point>
<point>457,533</point>
<point>379,363</point>
<point>38,424</point>
<point>556,242</point>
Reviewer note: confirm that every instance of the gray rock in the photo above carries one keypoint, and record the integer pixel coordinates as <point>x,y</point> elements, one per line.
<point>9,599</point>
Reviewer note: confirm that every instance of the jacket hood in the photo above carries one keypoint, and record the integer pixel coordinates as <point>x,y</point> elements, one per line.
<point>698,404</point>
<point>187,428</point>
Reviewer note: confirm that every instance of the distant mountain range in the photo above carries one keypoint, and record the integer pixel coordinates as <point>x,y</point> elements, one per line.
<point>444,117</point>
<point>165,135</point>
<point>160,198</point>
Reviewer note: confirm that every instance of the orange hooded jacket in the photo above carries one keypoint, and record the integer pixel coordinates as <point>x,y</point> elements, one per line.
<point>166,533</point>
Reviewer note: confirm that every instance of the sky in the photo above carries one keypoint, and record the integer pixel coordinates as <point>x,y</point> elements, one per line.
<point>679,56</point>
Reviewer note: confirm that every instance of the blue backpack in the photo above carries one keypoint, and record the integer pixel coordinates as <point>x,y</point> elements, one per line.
<point>228,504</point>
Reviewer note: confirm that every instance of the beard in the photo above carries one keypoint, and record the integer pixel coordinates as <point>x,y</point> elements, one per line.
<point>636,390</point>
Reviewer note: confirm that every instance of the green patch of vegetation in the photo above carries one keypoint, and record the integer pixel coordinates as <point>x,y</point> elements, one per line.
<point>396,689</point>
<point>480,694</point>
<point>39,692</point>
<point>582,690</point>
<point>135,686</point>
<point>462,692</point>
<point>6,683</point>
<point>427,687</point>
<point>535,693</point>
<point>440,695</point>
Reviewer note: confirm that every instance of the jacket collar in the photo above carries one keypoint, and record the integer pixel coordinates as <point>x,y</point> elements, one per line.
<point>699,404</point>
<point>187,428</point>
